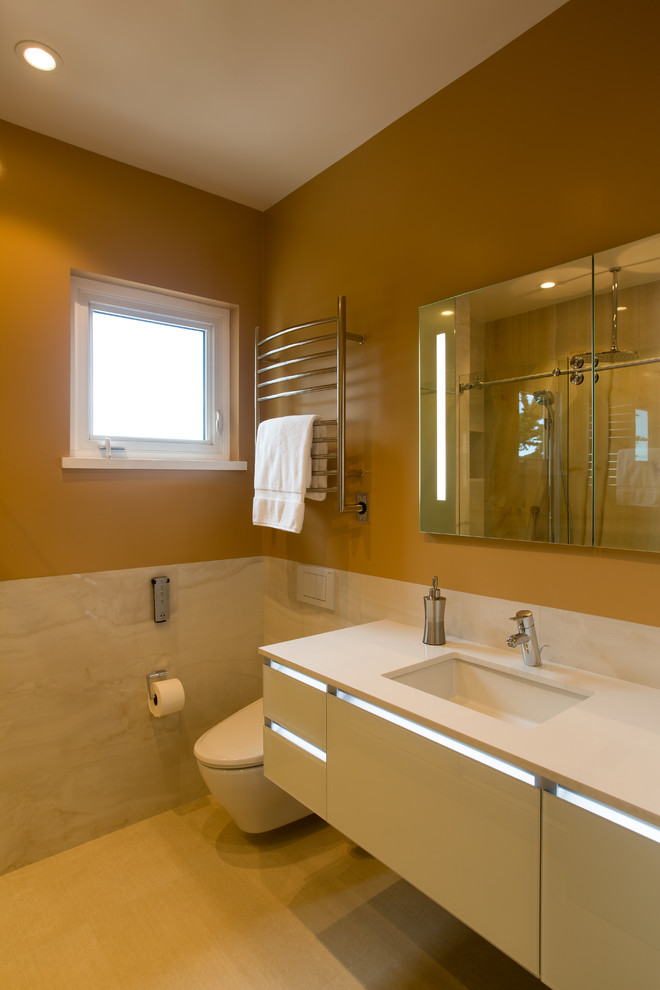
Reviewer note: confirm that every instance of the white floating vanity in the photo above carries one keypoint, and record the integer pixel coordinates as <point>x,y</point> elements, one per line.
<point>525,801</point>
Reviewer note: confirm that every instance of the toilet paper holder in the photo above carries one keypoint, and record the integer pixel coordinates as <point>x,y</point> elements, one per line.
<point>158,675</point>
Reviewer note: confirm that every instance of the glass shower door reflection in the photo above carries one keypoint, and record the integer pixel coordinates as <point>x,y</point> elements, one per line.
<point>549,426</point>
<point>627,399</point>
<point>529,444</point>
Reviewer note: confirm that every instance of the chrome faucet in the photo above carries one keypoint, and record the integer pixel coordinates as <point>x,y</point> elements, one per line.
<point>526,638</point>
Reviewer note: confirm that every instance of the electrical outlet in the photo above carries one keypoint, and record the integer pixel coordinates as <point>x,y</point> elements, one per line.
<point>362,517</point>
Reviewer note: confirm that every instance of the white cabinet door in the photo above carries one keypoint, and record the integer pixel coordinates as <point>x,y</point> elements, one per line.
<point>298,773</point>
<point>600,905</point>
<point>464,834</point>
<point>298,708</point>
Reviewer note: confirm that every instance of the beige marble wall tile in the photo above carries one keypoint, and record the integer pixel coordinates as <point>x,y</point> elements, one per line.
<point>82,755</point>
<point>400,601</point>
<point>51,624</point>
<point>220,632</point>
<point>484,620</point>
<point>628,650</point>
<point>221,608</point>
<point>281,618</point>
<point>286,618</point>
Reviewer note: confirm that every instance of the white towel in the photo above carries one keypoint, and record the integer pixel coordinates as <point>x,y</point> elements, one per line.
<point>282,472</point>
<point>637,482</point>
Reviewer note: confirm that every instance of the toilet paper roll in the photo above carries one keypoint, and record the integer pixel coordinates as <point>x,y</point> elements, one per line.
<point>167,697</point>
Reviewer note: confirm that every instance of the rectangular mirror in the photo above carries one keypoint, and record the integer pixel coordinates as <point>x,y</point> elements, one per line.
<point>540,405</point>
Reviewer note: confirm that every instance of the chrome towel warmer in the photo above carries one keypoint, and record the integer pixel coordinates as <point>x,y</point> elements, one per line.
<point>292,353</point>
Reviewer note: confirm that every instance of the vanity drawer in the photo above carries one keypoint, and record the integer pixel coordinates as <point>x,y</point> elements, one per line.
<point>296,771</point>
<point>463,833</point>
<point>295,701</point>
<point>601,902</point>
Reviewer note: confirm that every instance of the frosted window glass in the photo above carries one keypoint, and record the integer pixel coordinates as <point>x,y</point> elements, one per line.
<point>147,379</point>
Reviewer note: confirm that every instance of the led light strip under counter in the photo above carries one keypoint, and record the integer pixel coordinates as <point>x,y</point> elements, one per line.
<point>296,740</point>
<point>621,818</point>
<point>281,730</point>
<point>448,742</point>
<point>598,808</point>
<point>297,675</point>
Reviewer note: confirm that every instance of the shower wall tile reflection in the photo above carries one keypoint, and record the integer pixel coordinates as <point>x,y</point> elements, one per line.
<point>539,449</point>
<point>81,753</point>
<point>535,427</point>
<point>627,421</point>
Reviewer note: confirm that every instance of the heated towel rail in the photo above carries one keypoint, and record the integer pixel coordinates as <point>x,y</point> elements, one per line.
<point>312,364</point>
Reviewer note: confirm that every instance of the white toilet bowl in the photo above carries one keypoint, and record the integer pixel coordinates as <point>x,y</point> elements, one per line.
<point>230,757</point>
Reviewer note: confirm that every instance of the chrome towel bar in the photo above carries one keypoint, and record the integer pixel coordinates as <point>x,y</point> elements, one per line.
<point>302,350</point>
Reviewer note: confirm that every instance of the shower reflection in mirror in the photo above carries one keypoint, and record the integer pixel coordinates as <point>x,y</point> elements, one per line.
<point>539,439</point>
<point>540,407</point>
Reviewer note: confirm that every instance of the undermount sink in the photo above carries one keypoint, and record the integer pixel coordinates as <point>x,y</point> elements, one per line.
<point>502,694</point>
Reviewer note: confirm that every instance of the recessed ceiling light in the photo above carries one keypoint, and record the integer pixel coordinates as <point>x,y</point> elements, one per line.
<point>548,285</point>
<point>39,56</point>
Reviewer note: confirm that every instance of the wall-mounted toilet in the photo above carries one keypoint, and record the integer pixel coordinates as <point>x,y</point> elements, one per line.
<point>230,757</point>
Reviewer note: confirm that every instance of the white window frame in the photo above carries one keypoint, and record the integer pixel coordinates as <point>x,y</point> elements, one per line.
<point>89,293</point>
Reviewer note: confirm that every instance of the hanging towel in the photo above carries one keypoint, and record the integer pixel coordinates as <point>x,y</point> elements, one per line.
<point>637,482</point>
<point>282,472</point>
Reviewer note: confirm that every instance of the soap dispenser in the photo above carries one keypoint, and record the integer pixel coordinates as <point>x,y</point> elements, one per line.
<point>434,616</point>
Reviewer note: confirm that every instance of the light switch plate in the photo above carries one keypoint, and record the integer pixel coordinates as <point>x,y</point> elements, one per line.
<point>316,586</point>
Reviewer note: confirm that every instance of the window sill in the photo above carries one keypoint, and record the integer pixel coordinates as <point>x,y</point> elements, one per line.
<point>148,464</point>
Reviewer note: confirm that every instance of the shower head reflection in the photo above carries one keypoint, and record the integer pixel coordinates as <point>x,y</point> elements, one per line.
<point>544,397</point>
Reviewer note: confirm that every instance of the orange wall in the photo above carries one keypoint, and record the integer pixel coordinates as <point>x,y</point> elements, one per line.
<point>546,152</point>
<point>65,208</point>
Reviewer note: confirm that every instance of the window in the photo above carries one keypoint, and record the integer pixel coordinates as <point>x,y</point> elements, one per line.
<point>641,435</point>
<point>531,426</point>
<point>149,378</point>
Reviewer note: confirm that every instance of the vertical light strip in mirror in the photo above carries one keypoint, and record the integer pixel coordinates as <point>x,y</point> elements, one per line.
<point>441,388</point>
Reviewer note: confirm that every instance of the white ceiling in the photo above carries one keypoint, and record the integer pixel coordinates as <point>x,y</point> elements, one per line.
<point>246,99</point>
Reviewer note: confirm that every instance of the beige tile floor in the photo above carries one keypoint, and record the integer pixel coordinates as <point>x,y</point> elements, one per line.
<point>185,900</point>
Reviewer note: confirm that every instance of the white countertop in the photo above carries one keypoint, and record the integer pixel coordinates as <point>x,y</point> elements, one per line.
<point>607,747</point>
